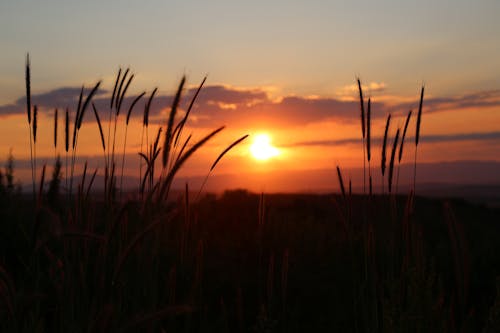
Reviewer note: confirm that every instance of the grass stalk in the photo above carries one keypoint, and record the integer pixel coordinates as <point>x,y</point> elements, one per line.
<point>384,150</point>
<point>96,113</point>
<point>391,164</point>
<point>28,111</point>
<point>145,125</point>
<point>118,103</point>
<point>114,98</point>
<point>55,132</point>
<point>165,187</point>
<point>66,144</point>
<point>341,182</point>
<point>400,155</point>
<point>363,131</point>
<point>129,113</point>
<point>35,127</point>
<point>170,124</point>
<point>80,113</point>
<point>417,136</point>
<point>228,148</point>
<point>368,144</point>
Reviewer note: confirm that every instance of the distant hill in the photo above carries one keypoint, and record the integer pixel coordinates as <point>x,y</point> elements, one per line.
<point>475,181</point>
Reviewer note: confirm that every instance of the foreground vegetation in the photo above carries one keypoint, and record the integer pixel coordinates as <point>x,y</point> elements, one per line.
<point>243,262</point>
<point>71,261</point>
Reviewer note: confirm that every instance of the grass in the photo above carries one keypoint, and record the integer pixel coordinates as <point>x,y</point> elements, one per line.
<point>240,261</point>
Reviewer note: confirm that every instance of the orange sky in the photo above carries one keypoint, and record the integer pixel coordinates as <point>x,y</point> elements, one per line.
<point>285,68</point>
<point>310,132</point>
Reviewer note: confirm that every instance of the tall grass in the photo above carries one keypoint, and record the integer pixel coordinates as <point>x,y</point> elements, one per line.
<point>103,143</point>
<point>214,164</point>
<point>167,146</point>
<point>368,144</point>
<point>363,131</point>
<point>383,159</point>
<point>66,144</point>
<point>400,155</point>
<point>100,246</point>
<point>28,111</point>
<point>391,164</point>
<point>80,113</point>
<point>34,128</point>
<point>55,132</point>
<point>108,177</point>
<point>341,183</point>
<point>118,103</point>
<point>145,129</point>
<point>417,136</point>
<point>127,120</point>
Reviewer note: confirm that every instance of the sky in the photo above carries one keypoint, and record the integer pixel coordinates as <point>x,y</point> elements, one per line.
<point>284,68</point>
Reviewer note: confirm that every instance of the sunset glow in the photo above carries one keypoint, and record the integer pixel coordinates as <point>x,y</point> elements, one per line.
<point>300,106</point>
<point>262,149</point>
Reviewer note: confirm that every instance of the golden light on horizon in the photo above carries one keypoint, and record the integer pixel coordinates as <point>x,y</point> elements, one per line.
<point>262,149</point>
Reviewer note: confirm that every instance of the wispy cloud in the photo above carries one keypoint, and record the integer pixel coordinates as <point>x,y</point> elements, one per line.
<point>351,91</point>
<point>477,100</point>
<point>478,136</point>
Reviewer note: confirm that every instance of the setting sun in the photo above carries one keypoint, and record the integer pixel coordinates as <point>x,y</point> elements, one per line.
<point>262,149</point>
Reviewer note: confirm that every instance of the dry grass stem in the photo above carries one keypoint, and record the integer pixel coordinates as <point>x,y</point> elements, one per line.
<point>100,127</point>
<point>384,145</point>
<point>393,155</point>
<point>368,130</point>
<point>35,124</point>
<point>114,89</point>
<point>231,146</point>
<point>403,137</point>
<point>341,182</point>
<point>55,128</point>
<point>419,116</point>
<point>28,87</point>
<point>133,105</point>
<point>384,151</point>
<point>362,108</point>
<point>86,103</point>
<point>123,94</point>
<point>119,91</point>
<point>182,159</point>
<point>184,120</point>
<point>170,125</point>
<point>147,108</point>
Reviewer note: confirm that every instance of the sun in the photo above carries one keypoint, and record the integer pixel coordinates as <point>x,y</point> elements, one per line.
<point>262,149</point>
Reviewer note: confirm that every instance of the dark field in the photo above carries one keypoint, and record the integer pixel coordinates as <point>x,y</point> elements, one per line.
<point>242,262</point>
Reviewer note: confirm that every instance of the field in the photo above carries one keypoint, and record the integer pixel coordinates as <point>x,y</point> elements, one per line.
<point>220,266</point>
<point>165,261</point>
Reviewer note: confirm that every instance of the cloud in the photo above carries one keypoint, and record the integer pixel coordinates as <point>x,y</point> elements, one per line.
<point>481,99</point>
<point>437,138</point>
<point>229,95</point>
<point>225,105</point>
<point>352,90</point>
<point>57,98</point>
<point>218,105</point>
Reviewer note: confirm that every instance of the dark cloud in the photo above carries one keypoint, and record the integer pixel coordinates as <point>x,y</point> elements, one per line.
<point>488,136</point>
<point>58,98</point>
<point>217,105</point>
<point>474,100</point>
<point>227,95</point>
<point>462,137</point>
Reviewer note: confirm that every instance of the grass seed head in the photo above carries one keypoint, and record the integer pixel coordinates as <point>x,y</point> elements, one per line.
<point>384,145</point>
